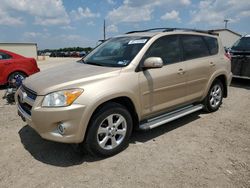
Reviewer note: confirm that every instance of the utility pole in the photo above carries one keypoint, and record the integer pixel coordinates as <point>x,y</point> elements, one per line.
<point>226,21</point>
<point>104,30</point>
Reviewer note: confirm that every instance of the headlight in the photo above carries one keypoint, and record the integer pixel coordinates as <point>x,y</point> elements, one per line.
<point>61,98</point>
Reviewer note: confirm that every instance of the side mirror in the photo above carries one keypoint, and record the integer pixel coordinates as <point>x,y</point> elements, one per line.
<point>152,63</point>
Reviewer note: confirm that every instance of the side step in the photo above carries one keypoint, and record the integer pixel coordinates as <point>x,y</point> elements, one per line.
<point>170,116</point>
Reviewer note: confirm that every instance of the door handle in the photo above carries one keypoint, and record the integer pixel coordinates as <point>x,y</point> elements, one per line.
<point>212,64</point>
<point>181,71</point>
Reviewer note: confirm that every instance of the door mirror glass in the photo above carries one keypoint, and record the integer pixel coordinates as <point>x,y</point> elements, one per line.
<point>152,63</point>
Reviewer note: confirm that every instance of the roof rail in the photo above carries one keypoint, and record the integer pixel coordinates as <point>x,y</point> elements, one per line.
<point>211,32</point>
<point>147,30</point>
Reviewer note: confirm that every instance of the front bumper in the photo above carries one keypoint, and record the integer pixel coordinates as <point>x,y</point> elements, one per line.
<point>45,121</point>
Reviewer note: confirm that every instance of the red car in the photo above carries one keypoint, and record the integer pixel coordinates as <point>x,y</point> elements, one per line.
<point>12,64</point>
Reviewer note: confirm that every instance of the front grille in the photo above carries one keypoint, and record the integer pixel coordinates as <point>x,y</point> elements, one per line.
<point>26,107</point>
<point>31,94</point>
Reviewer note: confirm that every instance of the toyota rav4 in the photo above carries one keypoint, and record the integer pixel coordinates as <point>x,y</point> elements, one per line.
<point>142,79</point>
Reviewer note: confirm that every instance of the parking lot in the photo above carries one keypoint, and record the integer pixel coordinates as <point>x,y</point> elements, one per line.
<point>200,150</point>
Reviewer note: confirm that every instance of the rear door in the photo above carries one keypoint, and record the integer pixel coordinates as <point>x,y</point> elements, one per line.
<point>199,65</point>
<point>165,87</point>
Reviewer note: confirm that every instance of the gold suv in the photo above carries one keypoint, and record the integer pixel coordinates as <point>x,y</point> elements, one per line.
<point>142,79</point>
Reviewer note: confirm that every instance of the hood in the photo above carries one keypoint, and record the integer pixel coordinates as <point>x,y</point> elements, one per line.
<point>70,75</point>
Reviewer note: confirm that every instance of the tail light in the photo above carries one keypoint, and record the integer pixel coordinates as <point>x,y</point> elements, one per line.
<point>228,55</point>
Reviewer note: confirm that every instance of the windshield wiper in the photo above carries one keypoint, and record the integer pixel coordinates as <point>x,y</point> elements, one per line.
<point>93,63</point>
<point>81,61</point>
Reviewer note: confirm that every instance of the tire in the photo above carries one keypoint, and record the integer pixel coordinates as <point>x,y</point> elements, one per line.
<point>12,75</point>
<point>105,137</point>
<point>213,100</point>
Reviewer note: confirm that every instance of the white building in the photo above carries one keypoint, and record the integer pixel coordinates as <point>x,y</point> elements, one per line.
<point>227,36</point>
<point>24,49</point>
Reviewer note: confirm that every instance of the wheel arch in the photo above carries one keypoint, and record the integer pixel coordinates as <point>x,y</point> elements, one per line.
<point>13,71</point>
<point>8,73</point>
<point>122,100</point>
<point>223,78</point>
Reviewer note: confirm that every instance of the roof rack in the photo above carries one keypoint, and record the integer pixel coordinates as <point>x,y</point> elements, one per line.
<point>211,32</point>
<point>147,30</point>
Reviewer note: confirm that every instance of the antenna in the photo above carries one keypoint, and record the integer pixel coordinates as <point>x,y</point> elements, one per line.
<point>104,30</point>
<point>226,21</point>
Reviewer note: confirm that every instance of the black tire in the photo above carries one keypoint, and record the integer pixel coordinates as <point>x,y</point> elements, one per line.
<point>12,75</point>
<point>100,122</point>
<point>213,100</point>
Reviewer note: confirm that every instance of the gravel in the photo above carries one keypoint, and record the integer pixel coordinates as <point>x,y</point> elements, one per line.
<point>199,150</point>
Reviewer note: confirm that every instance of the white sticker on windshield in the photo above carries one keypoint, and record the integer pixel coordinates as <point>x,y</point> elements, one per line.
<point>139,41</point>
<point>124,62</point>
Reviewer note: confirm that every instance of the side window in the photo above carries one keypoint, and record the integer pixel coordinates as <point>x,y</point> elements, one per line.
<point>167,48</point>
<point>194,47</point>
<point>4,56</point>
<point>212,44</point>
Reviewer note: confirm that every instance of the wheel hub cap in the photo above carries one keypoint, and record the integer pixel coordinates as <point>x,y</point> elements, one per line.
<point>111,131</point>
<point>215,96</point>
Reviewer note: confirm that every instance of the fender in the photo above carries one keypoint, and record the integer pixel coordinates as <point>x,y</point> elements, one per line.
<point>9,72</point>
<point>211,80</point>
<point>99,100</point>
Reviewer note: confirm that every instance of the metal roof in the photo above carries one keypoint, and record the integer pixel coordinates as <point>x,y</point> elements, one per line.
<point>19,43</point>
<point>217,30</point>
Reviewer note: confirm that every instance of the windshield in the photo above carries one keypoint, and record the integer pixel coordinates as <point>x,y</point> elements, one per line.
<point>242,44</point>
<point>116,52</point>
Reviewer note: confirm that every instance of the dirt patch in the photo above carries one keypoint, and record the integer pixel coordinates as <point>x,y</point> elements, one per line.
<point>200,150</point>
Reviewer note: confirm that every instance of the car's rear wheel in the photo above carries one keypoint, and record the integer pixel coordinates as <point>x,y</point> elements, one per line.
<point>14,74</point>
<point>109,130</point>
<point>214,97</point>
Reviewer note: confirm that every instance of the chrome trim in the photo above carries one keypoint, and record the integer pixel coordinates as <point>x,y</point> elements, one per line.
<point>240,56</point>
<point>25,98</point>
<point>28,100</point>
<point>155,122</point>
<point>23,112</point>
<point>244,77</point>
<point>169,113</point>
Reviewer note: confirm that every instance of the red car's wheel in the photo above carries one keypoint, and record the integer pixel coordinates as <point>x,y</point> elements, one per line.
<point>12,76</point>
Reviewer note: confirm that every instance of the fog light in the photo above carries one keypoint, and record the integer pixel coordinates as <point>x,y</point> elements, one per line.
<point>61,128</point>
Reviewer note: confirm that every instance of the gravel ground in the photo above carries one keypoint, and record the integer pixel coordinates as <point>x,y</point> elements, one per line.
<point>200,150</point>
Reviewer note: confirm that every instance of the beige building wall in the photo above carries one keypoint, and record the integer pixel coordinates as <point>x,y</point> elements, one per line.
<point>228,38</point>
<point>24,49</point>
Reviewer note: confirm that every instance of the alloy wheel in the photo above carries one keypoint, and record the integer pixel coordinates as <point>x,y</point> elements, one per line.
<point>215,96</point>
<point>111,131</point>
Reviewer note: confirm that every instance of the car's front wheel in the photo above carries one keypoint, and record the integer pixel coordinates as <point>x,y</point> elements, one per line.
<point>109,130</point>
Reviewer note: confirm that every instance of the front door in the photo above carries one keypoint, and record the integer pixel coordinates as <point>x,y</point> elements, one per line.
<point>165,87</point>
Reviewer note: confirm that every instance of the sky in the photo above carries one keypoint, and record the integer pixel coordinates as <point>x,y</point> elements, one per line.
<point>70,23</point>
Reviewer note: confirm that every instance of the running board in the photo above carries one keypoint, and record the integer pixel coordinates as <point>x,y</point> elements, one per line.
<point>170,116</point>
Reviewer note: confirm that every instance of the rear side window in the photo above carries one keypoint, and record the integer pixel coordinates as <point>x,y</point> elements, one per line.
<point>167,48</point>
<point>4,56</point>
<point>194,47</point>
<point>212,44</point>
